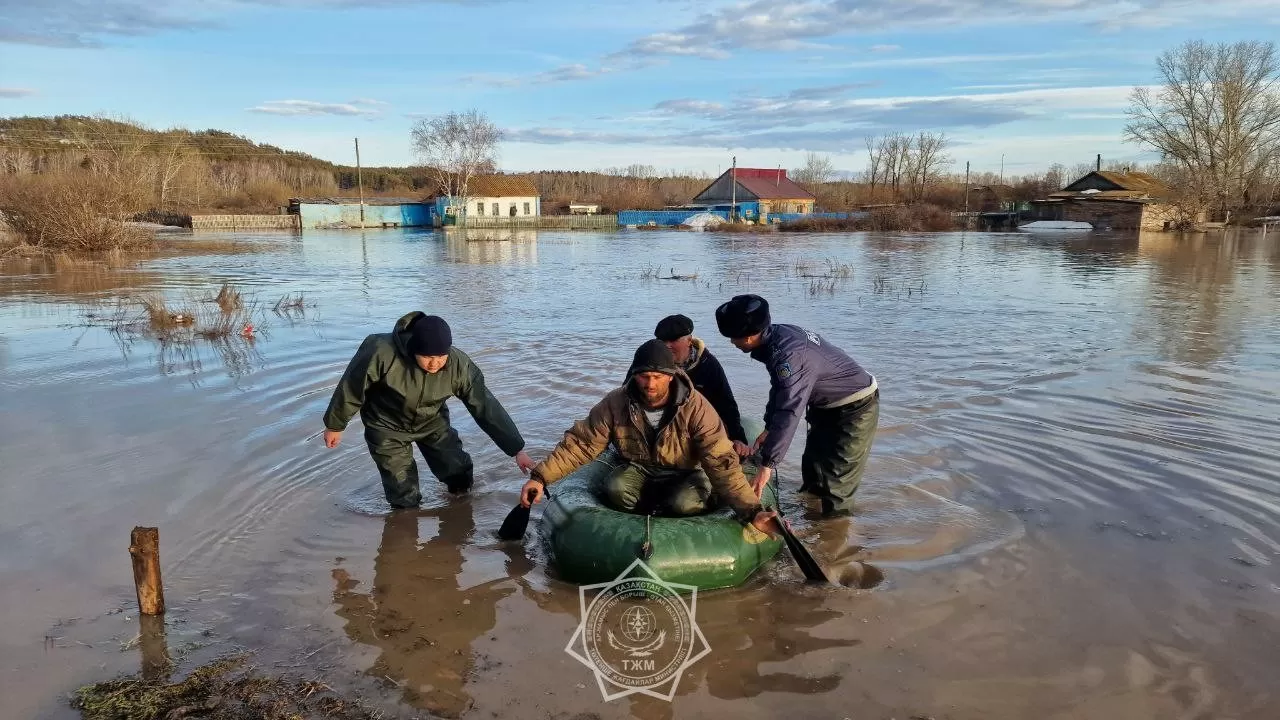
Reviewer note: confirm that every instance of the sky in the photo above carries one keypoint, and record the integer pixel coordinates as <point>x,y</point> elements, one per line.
<point>681,86</point>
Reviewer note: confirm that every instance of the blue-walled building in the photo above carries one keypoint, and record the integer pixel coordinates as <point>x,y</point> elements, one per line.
<point>340,212</point>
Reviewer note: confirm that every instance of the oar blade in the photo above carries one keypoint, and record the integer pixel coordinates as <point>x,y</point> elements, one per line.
<point>812,571</point>
<point>515,524</point>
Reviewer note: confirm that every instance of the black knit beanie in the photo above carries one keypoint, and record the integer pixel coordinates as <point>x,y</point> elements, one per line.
<point>673,327</point>
<point>430,335</point>
<point>743,316</point>
<point>653,356</point>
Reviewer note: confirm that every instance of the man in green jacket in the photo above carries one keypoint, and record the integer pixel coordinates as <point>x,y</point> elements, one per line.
<point>399,382</point>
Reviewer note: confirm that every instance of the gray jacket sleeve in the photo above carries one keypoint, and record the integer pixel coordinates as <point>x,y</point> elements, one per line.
<point>790,383</point>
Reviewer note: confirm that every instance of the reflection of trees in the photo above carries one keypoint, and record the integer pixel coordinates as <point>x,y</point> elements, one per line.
<point>1189,296</point>
<point>62,279</point>
<point>416,615</point>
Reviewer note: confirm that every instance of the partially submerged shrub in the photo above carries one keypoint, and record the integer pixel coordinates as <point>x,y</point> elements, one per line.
<point>70,213</point>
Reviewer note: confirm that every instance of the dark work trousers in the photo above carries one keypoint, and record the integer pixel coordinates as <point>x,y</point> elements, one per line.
<point>837,450</point>
<point>392,452</point>
<point>639,488</point>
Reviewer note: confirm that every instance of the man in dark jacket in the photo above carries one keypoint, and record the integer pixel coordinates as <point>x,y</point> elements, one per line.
<point>808,377</point>
<point>673,447</point>
<point>399,382</point>
<point>705,371</point>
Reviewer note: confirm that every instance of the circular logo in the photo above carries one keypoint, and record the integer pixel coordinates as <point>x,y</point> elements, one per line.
<point>638,633</point>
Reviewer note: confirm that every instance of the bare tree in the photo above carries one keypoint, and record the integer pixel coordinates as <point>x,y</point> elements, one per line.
<point>875,164</point>
<point>928,160</point>
<point>817,171</point>
<point>457,146</point>
<point>1055,178</point>
<point>1216,116</point>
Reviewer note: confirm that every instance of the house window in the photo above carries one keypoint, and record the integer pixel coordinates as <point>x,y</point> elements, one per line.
<point>495,210</point>
<point>526,208</point>
<point>512,210</point>
<point>479,208</point>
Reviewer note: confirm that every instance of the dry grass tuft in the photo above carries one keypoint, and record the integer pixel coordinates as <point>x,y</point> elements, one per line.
<point>229,299</point>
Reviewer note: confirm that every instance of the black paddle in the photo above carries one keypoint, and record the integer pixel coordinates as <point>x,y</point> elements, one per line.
<point>517,521</point>
<point>812,571</point>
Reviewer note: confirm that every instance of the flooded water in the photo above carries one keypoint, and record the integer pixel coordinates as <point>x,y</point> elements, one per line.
<point>1074,494</point>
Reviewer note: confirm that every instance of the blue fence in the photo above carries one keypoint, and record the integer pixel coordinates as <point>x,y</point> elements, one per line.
<point>788,217</point>
<point>664,218</point>
<point>670,218</point>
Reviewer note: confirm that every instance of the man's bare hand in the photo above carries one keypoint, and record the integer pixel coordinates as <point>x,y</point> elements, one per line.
<point>531,493</point>
<point>766,521</point>
<point>762,479</point>
<point>524,462</point>
<point>332,438</point>
<point>743,450</point>
<point>755,446</point>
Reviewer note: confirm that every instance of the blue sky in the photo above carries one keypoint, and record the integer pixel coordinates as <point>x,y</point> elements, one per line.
<point>589,85</point>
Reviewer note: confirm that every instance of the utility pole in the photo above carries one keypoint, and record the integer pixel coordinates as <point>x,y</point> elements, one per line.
<point>360,182</point>
<point>733,183</point>
<point>1001,168</point>
<point>966,193</point>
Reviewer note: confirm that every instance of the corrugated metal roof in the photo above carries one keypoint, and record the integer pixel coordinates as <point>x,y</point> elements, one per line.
<point>1136,184</point>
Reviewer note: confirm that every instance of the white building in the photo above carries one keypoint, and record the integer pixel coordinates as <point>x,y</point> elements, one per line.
<point>502,196</point>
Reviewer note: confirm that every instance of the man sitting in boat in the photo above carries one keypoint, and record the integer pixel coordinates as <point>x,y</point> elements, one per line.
<point>673,447</point>
<point>707,374</point>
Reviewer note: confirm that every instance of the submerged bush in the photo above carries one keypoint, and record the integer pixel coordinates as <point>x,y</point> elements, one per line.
<point>70,213</point>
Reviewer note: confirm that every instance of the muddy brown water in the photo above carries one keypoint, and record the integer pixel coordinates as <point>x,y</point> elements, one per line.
<point>1074,495</point>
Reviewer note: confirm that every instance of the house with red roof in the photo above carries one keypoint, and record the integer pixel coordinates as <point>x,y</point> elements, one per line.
<point>757,192</point>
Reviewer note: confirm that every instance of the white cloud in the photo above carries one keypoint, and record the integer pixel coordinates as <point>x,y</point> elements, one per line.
<point>1001,86</point>
<point>368,101</point>
<point>780,26</point>
<point>6,92</point>
<point>885,48</point>
<point>86,23</point>
<point>805,120</point>
<point>311,107</point>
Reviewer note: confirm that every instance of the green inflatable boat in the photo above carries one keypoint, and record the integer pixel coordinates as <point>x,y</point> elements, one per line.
<point>589,542</point>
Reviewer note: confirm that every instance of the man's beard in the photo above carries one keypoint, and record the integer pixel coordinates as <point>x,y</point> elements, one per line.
<point>653,403</point>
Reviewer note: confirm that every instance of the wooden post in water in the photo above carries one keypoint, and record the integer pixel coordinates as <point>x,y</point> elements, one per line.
<point>144,547</point>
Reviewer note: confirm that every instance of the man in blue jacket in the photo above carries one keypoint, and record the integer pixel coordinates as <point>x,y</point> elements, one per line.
<point>813,379</point>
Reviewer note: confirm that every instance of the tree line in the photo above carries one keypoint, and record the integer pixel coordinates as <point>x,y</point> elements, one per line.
<point>1213,123</point>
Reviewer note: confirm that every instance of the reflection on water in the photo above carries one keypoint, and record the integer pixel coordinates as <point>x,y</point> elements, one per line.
<point>415,613</point>
<point>1076,467</point>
